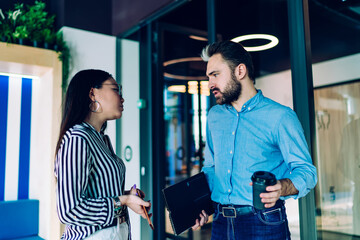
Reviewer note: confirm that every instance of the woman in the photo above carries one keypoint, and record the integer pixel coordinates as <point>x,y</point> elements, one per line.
<point>91,200</point>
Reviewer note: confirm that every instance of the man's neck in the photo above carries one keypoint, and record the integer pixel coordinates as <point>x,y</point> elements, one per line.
<point>246,94</point>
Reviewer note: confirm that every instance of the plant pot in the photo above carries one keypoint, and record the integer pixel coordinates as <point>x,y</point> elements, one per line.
<point>20,41</point>
<point>23,41</point>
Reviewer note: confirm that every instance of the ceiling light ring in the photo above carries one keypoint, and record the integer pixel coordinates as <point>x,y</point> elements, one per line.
<point>273,41</point>
<point>182,77</point>
<point>187,78</point>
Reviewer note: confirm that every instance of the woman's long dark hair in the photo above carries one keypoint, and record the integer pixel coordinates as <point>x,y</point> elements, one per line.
<point>77,100</point>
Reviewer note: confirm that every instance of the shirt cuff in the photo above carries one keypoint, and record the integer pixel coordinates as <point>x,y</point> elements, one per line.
<point>300,185</point>
<point>111,213</point>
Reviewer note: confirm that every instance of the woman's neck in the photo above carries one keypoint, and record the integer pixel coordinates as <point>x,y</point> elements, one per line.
<point>95,122</point>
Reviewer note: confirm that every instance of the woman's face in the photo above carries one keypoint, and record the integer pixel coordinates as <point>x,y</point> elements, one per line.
<point>110,98</point>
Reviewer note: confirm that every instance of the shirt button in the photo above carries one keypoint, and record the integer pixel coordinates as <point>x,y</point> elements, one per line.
<point>233,133</point>
<point>244,106</point>
<point>229,190</point>
<point>228,171</point>
<point>237,114</point>
<point>230,152</point>
<point>249,108</point>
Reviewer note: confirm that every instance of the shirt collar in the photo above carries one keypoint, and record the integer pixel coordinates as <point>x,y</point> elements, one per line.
<point>251,103</point>
<point>89,126</point>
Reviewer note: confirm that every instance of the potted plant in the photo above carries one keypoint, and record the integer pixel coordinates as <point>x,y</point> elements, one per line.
<point>64,56</point>
<point>5,28</point>
<point>37,20</point>
<point>34,24</point>
<point>48,37</point>
<point>20,30</point>
<point>20,34</point>
<point>5,32</point>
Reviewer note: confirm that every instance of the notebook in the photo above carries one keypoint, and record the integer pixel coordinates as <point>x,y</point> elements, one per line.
<point>185,200</point>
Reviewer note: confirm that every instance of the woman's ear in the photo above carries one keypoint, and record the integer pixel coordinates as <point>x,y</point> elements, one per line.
<point>91,94</point>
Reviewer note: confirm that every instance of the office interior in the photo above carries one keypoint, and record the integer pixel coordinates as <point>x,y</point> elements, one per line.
<point>152,47</point>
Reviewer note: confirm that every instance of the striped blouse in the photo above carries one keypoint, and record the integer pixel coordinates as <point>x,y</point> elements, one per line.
<point>88,175</point>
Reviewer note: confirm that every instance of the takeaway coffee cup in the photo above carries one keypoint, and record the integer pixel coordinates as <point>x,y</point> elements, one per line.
<point>261,180</point>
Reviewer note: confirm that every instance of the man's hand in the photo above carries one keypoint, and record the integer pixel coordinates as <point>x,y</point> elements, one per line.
<point>283,187</point>
<point>273,194</point>
<point>203,219</point>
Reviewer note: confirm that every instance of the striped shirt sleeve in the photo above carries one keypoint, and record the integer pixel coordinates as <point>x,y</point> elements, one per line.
<point>73,169</point>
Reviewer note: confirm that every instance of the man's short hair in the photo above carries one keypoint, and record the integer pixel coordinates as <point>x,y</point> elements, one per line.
<point>233,53</point>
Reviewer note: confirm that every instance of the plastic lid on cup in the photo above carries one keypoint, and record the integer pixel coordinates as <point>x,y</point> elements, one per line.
<point>264,177</point>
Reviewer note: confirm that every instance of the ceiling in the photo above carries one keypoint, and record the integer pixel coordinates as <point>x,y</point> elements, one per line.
<point>334,31</point>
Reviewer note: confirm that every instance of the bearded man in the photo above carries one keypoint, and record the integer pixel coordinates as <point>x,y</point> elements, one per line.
<point>247,132</point>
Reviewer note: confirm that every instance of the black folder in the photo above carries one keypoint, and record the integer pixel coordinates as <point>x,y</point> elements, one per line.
<point>186,199</point>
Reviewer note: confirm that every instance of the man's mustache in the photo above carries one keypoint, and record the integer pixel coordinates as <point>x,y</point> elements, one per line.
<point>215,89</point>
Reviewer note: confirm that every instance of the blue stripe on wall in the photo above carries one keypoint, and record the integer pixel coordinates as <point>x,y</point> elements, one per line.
<point>4,94</point>
<point>25,127</point>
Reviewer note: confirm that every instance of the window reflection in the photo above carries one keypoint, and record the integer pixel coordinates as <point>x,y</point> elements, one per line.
<point>338,138</point>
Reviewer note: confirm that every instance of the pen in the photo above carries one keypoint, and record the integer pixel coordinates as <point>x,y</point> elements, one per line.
<point>146,213</point>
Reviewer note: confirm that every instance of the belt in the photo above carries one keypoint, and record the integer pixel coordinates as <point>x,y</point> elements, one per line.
<point>231,211</point>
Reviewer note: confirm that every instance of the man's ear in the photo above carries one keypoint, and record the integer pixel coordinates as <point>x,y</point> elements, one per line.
<point>240,71</point>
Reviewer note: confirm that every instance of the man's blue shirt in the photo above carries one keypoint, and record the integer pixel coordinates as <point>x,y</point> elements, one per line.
<point>263,136</point>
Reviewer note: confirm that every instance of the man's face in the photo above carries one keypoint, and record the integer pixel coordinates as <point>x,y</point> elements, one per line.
<point>222,80</point>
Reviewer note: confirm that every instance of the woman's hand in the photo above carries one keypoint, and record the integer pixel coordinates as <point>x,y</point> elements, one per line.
<point>135,203</point>
<point>204,217</point>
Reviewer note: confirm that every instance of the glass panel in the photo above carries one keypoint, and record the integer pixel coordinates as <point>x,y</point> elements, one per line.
<point>180,165</point>
<point>335,59</point>
<point>338,137</point>
<point>184,111</point>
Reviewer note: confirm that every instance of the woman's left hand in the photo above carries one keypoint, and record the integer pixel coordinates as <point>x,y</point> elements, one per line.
<point>136,204</point>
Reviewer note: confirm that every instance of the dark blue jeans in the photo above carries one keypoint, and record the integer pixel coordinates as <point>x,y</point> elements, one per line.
<point>267,224</point>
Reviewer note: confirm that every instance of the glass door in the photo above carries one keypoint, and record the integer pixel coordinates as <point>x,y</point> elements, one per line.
<point>186,103</point>
<point>338,137</point>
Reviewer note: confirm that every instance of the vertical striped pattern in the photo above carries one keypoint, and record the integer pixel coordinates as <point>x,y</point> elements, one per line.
<point>88,174</point>
<point>4,86</point>
<point>13,139</point>
<point>15,130</point>
<point>25,129</point>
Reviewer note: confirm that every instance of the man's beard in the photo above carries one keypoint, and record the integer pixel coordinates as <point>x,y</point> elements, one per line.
<point>231,92</point>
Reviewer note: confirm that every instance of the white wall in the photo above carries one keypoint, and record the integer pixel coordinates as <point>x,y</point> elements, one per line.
<point>41,167</point>
<point>337,70</point>
<point>130,122</point>
<point>278,87</point>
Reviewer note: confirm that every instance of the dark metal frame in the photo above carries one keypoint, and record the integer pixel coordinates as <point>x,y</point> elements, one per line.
<point>338,83</point>
<point>303,98</point>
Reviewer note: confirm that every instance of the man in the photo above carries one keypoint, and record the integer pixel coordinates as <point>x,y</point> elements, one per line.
<point>247,132</point>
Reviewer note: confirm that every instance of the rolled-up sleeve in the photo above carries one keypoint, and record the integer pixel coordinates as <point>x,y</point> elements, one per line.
<point>72,170</point>
<point>296,155</point>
